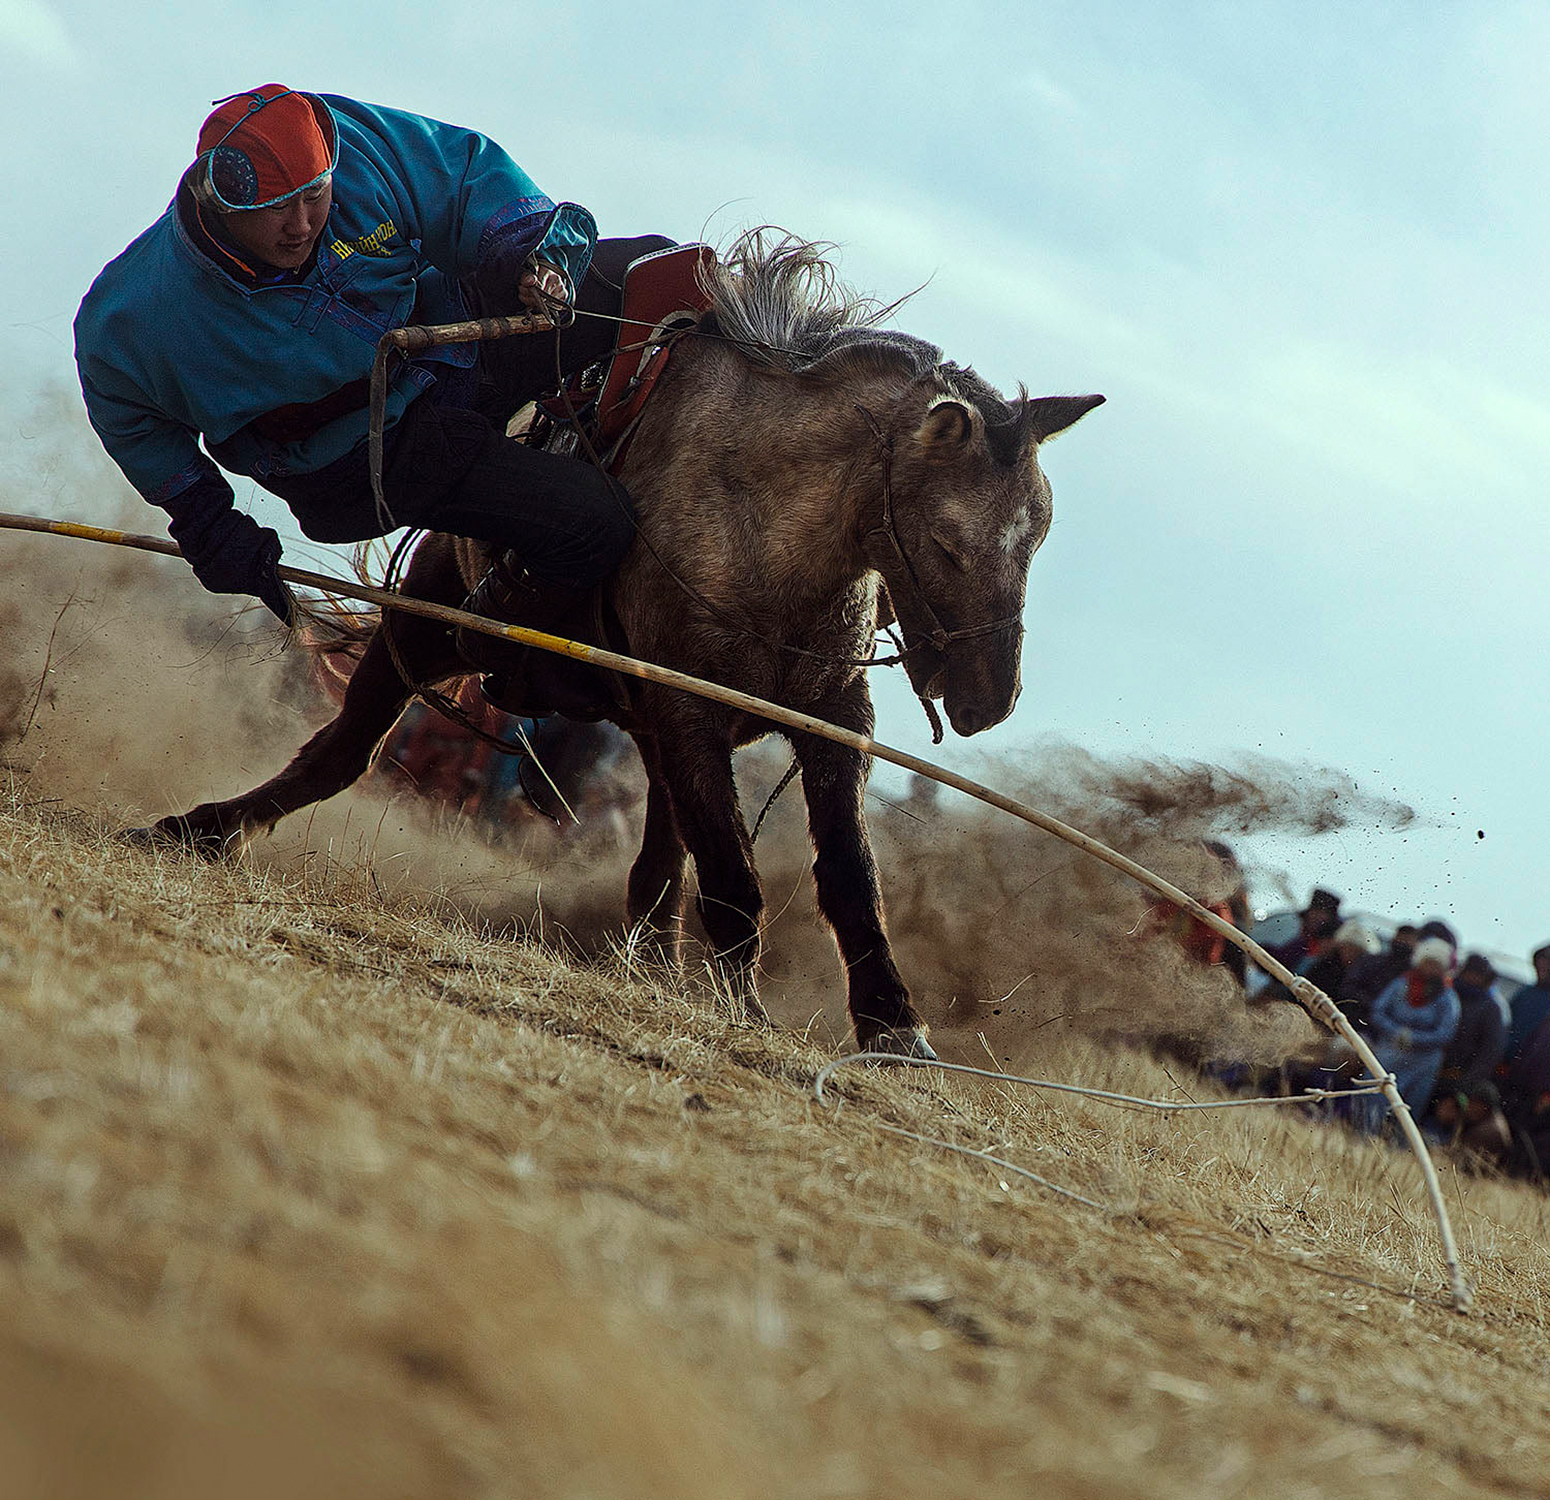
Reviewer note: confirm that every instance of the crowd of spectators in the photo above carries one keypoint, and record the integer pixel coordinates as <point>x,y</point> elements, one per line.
<point>504,772</point>
<point>1469,1047</point>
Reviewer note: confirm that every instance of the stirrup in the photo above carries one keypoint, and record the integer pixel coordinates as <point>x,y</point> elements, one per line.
<point>532,690</point>
<point>499,595</point>
<point>505,586</point>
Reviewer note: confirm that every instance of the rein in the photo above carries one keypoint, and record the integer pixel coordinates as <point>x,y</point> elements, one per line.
<point>933,719</point>
<point>555,315</point>
<point>600,463</point>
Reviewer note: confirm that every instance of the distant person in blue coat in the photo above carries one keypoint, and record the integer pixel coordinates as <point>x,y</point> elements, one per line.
<point>1411,1023</point>
<point>246,318</point>
<point>1530,1006</point>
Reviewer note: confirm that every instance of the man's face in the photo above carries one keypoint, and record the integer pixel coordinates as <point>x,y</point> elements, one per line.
<point>282,236</point>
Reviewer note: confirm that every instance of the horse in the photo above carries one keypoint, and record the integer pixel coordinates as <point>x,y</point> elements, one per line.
<point>797,470</point>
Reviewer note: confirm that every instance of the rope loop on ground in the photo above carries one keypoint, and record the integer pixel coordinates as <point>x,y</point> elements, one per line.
<point>1128,1101</point>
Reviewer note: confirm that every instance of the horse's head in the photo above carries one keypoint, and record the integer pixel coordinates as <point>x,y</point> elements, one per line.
<point>965,507</point>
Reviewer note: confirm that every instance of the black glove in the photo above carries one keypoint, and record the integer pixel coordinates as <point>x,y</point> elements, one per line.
<point>228,550</point>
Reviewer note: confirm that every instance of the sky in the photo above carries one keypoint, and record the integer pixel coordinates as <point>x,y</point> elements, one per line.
<point>1299,247</point>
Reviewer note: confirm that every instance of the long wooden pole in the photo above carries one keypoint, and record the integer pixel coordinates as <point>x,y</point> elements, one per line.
<point>1308,995</point>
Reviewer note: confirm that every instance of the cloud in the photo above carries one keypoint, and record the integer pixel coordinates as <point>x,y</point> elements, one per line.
<point>1041,87</point>
<point>1397,421</point>
<point>33,29</point>
<point>1322,380</point>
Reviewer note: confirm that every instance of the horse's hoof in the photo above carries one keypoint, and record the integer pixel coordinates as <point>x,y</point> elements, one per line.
<point>176,833</point>
<point>903,1041</point>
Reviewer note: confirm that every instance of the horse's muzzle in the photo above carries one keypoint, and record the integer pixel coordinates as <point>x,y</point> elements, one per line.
<point>982,681</point>
<point>976,688</point>
<point>973,715</point>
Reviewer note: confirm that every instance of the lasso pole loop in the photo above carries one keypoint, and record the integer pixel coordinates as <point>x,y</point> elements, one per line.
<point>1106,1096</point>
<point>1308,995</point>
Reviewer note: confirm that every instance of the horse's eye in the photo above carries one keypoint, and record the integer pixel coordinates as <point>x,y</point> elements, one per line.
<point>953,552</point>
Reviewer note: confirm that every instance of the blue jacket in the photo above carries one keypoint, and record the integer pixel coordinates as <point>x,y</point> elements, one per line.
<point>1403,1027</point>
<point>171,346</point>
<point>1409,1040</point>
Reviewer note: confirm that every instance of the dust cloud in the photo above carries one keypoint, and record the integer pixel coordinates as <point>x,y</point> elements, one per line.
<point>124,688</point>
<point>1004,931</point>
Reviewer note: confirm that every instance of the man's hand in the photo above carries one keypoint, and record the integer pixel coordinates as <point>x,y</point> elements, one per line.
<point>541,286</point>
<point>228,550</point>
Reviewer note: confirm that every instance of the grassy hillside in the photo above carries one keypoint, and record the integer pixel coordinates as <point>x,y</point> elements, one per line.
<point>309,1191</point>
<point>315,1182</point>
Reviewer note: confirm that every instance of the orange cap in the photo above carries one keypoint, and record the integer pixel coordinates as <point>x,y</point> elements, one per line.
<point>261,146</point>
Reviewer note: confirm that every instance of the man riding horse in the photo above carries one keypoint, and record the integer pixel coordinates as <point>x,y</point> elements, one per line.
<point>247,315</point>
<point>785,471</point>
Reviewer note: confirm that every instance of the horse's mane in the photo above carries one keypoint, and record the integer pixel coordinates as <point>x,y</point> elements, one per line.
<point>781,301</point>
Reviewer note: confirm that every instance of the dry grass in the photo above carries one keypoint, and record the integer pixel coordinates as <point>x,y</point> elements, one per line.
<point>345,1196</point>
<point>311,1184</point>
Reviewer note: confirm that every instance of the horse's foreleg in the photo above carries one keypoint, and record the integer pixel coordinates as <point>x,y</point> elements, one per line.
<point>849,895</point>
<point>695,756</point>
<point>655,900</point>
<point>335,756</point>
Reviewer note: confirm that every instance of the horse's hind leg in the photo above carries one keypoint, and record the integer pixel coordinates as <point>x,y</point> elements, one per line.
<point>339,752</point>
<point>849,894</point>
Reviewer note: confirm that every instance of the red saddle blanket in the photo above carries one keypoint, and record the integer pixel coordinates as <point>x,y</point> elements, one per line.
<point>664,295</point>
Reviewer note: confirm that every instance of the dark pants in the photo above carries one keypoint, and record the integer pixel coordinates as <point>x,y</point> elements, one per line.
<point>451,468</point>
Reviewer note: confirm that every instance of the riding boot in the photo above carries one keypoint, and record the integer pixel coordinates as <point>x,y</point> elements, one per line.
<point>523,680</point>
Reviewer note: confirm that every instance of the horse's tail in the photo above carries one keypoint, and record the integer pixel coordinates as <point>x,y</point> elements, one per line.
<point>333,632</point>
<point>334,639</point>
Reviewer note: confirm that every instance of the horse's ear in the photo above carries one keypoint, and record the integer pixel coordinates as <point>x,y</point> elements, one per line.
<point>946,428</point>
<point>1044,416</point>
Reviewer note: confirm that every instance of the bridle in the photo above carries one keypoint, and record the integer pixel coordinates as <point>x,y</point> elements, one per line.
<point>937,635</point>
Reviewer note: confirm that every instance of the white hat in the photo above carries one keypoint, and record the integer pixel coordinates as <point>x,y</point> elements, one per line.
<point>1359,935</point>
<point>1432,948</point>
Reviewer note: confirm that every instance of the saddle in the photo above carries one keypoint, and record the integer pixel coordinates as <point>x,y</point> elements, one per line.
<point>664,296</point>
